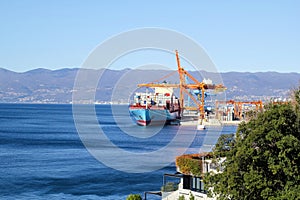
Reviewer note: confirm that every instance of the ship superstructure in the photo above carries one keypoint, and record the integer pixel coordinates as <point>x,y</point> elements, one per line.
<point>158,107</point>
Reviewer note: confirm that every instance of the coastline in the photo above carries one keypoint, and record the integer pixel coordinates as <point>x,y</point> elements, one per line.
<point>208,124</point>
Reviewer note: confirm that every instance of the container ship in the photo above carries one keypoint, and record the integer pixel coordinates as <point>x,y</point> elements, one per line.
<point>160,107</point>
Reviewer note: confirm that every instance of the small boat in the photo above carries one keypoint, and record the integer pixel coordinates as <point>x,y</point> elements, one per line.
<point>160,107</point>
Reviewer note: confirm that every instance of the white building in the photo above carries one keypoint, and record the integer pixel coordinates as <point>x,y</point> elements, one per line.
<point>190,185</point>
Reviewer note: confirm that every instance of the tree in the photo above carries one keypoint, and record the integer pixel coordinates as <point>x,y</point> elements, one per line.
<point>264,160</point>
<point>223,145</point>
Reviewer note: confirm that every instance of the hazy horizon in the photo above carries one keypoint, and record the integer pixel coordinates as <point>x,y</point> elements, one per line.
<point>71,68</point>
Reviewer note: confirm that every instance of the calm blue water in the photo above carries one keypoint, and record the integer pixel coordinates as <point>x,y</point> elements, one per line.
<point>42,156</point>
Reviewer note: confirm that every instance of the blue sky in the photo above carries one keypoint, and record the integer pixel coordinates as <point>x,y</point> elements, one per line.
<point>237,35</point>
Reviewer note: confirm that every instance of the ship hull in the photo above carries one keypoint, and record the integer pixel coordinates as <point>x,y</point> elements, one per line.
<point>153,116</point>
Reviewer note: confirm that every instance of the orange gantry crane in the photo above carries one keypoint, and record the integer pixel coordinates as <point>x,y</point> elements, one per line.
<point>238,106</point>
<point>184,89</point>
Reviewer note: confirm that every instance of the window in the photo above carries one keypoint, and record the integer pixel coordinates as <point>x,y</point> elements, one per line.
<point>197,184</point>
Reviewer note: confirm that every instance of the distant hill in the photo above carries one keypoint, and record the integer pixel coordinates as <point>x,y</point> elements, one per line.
<point>56,86</point>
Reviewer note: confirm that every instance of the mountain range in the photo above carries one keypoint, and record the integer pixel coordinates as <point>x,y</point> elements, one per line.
<point>57,86</point>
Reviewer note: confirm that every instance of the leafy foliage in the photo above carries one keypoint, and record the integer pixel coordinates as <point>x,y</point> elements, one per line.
<point>181,197</point>
<point>134,197</point>
<point>192,196</point>
<point>223,145</point>
<point>190,164</point>
<point>250,114</point>
<point>264,160</point>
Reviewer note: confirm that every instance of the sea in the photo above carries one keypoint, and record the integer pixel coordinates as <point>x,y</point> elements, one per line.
<point>43,156</point>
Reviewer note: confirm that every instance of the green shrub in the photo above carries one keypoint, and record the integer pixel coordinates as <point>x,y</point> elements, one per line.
<point>134,197</point>
<point>192,196</point>
<point>181,197</point>
<point>189,164</point>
